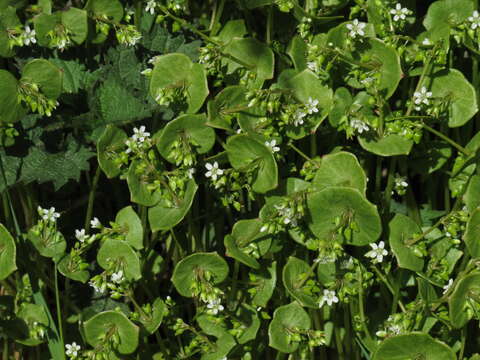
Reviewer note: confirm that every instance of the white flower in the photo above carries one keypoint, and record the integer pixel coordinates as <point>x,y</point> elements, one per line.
<point>356,28</point>
<point>213,171</point>
<point>426,42</point>
<point>72,349</point>
<point>130,145</point>
<point>378,252</point>
<point>312,65</point>
<point>95,223</point>
<point>80,235</point>
<point>359,125</point>
<point>117,277</point>
<point>150,7</point>
<point>401,181</point>
<point>272,144</point>
<point>311,105</point>
<point>140,134</point>
<point>62,44</point>
<point>475,20</point>
<point>190,173</point>
<point>214,307</point>
<point>264,228</point>
<point>448,286</point>
<point>298,118</point>
<point>399,12</point>
<point>98,289</point>
<point>287,214</point>
<point>29,36</point>
<point>147,72</point>
<point>328,297</point>
<point>48,214</point>
<point>421,97</point>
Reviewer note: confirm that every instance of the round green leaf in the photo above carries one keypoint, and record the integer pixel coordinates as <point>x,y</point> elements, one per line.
<point>152,321</point>
<point>246,153</point>
<point>265,280</point>
<point>402,229</point>
<point>112,9</point>
<point>46,75</point>
<point>295,275</point>
<point>110,143</point>
<point>70,269</point>
<point>297,50</point>
<point>472,234</point>
<point>334,202</point>
<point>472,195</point>
<point>447,13</point>
<point>10,110</point>
<point>450,85</point>
<point>413,346</point>
<point>459,301</point>
<point>221,348</point>
<point>186,271</point>
<point>111,322</point>
<point>75,20</point>
<point>226,105</point>
<point>163,217</point>
<point>342,101</point>
<point>138,186</point>
<point>131,226</point>
<point>7,253</point>
<point>340,169</point>
<point>119,252</point>
<point>177,70</point>
<point>48,244</point>
<point>45,23</point>
<point>8,20</point>
<point>285,318</point>
<point>30,314</point>
<point>252,52</point>
<point>389,145</point>
<point>192,130</point>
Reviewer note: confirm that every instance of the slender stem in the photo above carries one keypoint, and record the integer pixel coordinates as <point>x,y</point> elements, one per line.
<point>389,286</point>
<point>361,306</point>
<point>91,199</point>
<point>268,35</point>
<point>59,312</point>
<point>447,139</point>
<point>300,152</point>
<point>5,349</point>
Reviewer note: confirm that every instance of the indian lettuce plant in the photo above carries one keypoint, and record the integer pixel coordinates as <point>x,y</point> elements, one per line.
<point>243,179</point>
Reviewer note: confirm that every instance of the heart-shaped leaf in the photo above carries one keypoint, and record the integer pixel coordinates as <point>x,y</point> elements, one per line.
<point>120,253</point>
<point>295,275</point>
<point>402,229</point>
<point>131,226</point>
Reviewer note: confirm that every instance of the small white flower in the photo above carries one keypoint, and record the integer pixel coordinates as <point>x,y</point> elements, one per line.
<point>214,307</point>
<point>48,214</point>
<point>190,173</point>
<point>98,289</point>
<point>150,7</point>
<point>378,252</point>
<point>426,42</point>
<point>475,20</point>
<point>356,28</point>
<point>401,181</point>
<point>311,106</point>
<point>272,145</point>
<point>329,297</point>
<point>421,97</point>
<point>95,223</point>
<point>72,349</point>
<point>312,65</point>
<point>80,235</point>
<point>359,125</point>
<point>298,118</point>
<point>264,228</point>
<point>147,72</point>
<point>287,214</point>
<point>448,286</point>
<point>130,145</point>
<point>140,134</point>
<point>29,36</point>
<point>213,171</point>
<point>62,44</point>
<point>399,12</point>
<point>117,277</point>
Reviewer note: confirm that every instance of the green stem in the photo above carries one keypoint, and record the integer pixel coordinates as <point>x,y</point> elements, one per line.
<point>389,286</point>
<point>300,152</point>
<point>447,139</point>
<point>5,349</point>
<point>59,312</point>
<point>268,35</point>
<point>91,199</point>
<point>361,307</point>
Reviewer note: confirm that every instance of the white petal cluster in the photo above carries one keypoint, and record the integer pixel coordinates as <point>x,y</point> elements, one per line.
<point>475,20</point>
<point>213,171</point>
<point>29,36</point>
<point>356,28</point>
<point>80,235</point>
<point>329,297</point>
<point>151,5</point>
<point>95,223</point>
<point>421,97</point>
<point>311,106</point>
<point>378,252</point>
<point>139,134</point>
<point>117,277</point>
<point>214,306</point>
<point>72,349</point>
<point>399,13</point>
<point>272,145</point>
<point>448,286</point>
<point>48,214</point>
<point>359,125</point>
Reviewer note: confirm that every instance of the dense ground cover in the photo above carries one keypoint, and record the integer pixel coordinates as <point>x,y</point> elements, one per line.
<point>249,179</point>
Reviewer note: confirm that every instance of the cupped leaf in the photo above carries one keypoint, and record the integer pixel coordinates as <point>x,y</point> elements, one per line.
<point>387,145</point>
<point>342,101</point>
<point>164,216</point>
<point>258,56</point>
<point>472,234</point>
<point>110,143</point>
<point>70,268</point>
<point>285,319</point>
<point>131,226</point>
<point>248,154</point>
<point>463,299</point>
<point>447,13</point>
<point>227,104</point>
<point>413,346</point>
<point>120,254</point>
<point>178,71</point>
<point>193,267</point>
<point>111,9</point>
<point>76,22</point>
<point>402,229</point>
<point>8,255</point>
<point>10,109</point>
<point>46,75</point>
<point>191,130</point>
<point>295,276</point>
<point>265,280</point>
<point>108,323</point>
<point>297,50</point>
<point>340,169</point>
<point>44,25</point>
<point>221,348</point>
<point>332,204</point>
<point>152,320</point>
<point>452,87</point>
<point>138,183</point>
<point>48,243</point>
<point>472,194</point>
<point>8,21</point>
<point>32,314</point>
